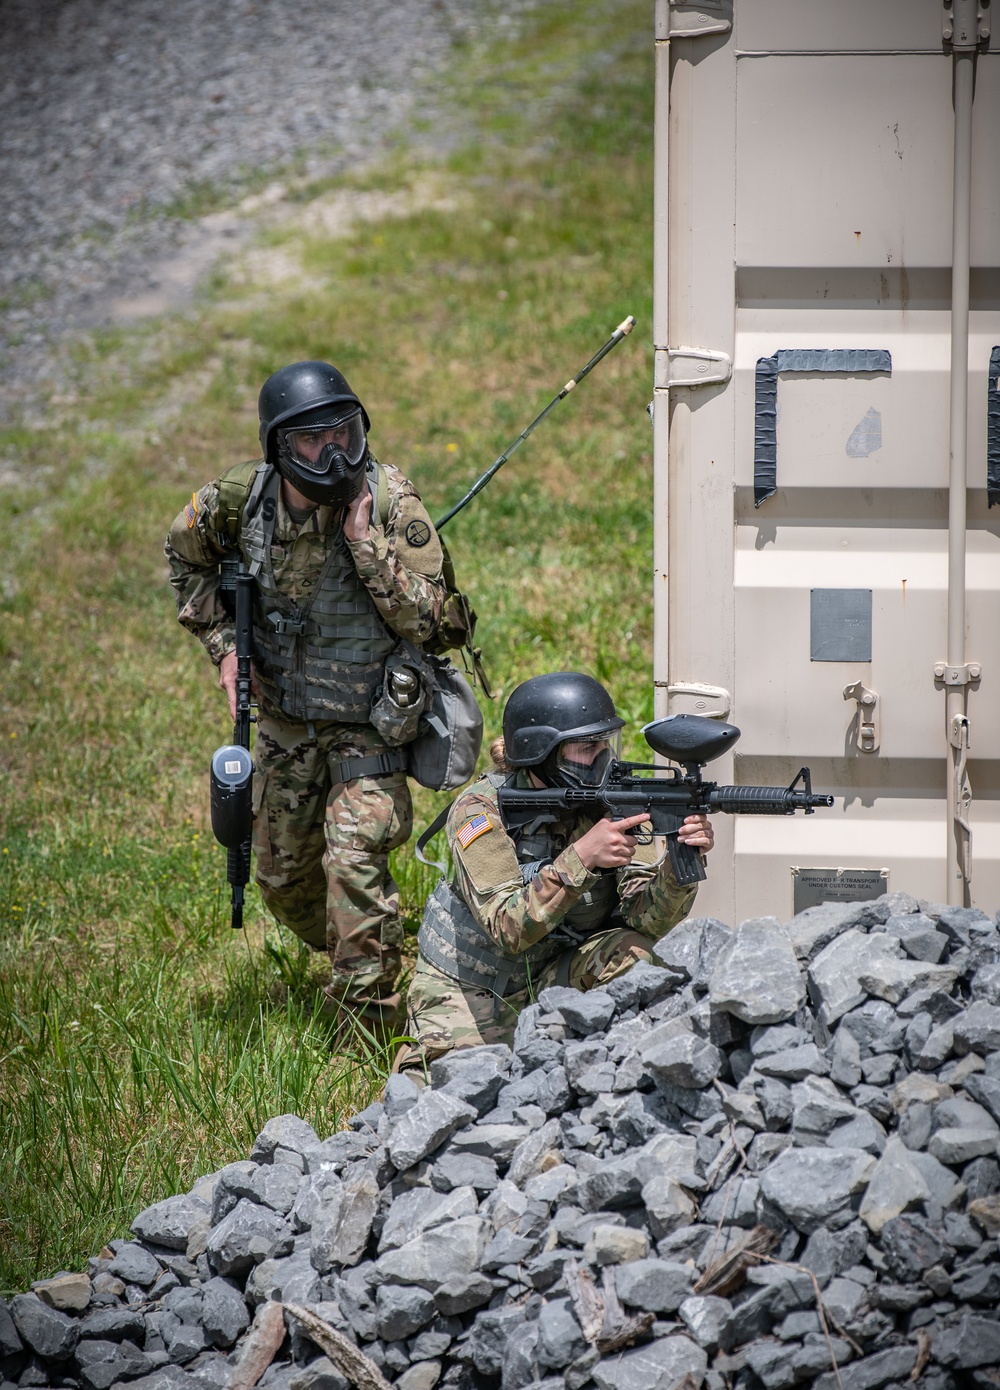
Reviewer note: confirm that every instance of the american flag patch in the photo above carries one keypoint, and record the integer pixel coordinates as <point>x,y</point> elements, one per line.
<point>191,510</point>
<point>472,829</point>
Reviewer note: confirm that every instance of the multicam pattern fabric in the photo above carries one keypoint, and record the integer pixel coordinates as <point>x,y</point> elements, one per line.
<point>322,850</point>
<point>518,915</point>
<point>443,1014</point>
<point>404,580</point>
<point>322,844</point>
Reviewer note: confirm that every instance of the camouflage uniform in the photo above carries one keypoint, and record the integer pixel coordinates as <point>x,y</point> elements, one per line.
<point>322,834</point>
<point>524,909</point>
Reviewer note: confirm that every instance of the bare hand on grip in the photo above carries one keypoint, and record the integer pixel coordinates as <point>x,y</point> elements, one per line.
<point>608,844</point>
<point>697,832</point>
<point>227,680</point>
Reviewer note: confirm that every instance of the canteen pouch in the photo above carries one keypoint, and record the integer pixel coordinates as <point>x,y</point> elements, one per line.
<point>403,695</point>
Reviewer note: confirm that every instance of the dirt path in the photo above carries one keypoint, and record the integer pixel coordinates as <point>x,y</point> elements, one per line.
<point>115,113</point>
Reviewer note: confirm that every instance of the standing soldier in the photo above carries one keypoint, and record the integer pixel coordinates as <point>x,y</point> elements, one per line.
<point>347,563</point>
<point>569,902</point>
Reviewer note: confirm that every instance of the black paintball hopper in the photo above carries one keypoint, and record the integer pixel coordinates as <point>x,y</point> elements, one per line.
<point>690,738</point>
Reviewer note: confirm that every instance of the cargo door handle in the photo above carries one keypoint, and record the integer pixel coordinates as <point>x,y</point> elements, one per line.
<point>868,734</point>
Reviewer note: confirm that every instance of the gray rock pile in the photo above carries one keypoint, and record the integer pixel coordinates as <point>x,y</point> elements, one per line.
<point>768,1160</point>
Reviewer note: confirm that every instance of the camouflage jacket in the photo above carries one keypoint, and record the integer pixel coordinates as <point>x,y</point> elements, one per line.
<point>517,915</point>
<point>403,579</point>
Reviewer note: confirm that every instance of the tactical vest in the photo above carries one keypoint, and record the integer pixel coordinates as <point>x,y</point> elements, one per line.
<point>322,659</point>
<point>451,939</point>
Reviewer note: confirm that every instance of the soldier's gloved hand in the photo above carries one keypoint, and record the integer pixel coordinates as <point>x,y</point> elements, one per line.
<point>358,517</point>
<point>608,844</point>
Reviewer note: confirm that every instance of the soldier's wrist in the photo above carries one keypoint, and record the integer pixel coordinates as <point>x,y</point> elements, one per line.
<point>219,642</point>
<point>572,871</point>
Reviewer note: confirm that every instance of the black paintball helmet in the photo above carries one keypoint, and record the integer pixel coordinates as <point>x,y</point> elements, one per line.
<point>314,429</point>
<point>548,722</point>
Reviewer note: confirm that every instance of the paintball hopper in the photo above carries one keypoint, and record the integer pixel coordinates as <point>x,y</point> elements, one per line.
<point>690,739</point>
<point>231,780</point>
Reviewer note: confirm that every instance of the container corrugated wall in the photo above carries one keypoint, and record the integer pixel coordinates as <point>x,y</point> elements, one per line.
<point>808,238</point>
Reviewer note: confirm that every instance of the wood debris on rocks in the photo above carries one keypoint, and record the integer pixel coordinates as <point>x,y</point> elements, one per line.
<point>768,1160</point>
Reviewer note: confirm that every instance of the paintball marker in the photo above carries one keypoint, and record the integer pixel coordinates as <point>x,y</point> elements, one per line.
<point>232,765</point>
<point>691,740</point>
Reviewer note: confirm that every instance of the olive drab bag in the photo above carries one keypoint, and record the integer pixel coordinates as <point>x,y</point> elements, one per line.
<point>450,734</point>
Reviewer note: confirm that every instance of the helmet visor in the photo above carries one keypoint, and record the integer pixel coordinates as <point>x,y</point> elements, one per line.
<point>310,446</point>
<point>584,762</point>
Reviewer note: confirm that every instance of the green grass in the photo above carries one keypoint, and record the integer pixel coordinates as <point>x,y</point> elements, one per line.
<point>141,1042</point>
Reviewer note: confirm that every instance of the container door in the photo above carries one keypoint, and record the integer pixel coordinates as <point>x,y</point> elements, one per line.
<point>805,499</point>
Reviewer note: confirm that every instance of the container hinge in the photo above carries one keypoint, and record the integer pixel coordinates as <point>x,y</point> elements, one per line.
<point>696,367</point>
<point>965,24</point>
<point>957,675</point>
<point>689,19</point>
<point>868,733</point>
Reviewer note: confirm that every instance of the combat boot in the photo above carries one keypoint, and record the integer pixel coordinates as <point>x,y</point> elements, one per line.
<point>364,1028</point>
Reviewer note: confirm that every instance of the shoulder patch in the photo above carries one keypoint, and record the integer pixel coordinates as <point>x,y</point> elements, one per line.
<point>417,542</point>
<point>489,861</point>
<point>472,829</point>
<point>191,510</point>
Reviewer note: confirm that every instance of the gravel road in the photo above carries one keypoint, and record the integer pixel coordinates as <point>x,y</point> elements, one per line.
<point>112,110</point>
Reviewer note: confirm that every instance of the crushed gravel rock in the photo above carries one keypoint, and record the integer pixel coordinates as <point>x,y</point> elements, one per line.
<point>113,112</point>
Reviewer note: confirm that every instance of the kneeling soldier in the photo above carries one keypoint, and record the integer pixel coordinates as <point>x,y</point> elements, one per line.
<point>569,902</point>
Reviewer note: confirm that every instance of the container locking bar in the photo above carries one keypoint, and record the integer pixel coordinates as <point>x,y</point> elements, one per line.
<point>968,674</point>
<point>965,24</point>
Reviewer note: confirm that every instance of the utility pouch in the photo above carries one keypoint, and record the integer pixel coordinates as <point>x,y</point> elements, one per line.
<point>403,695</point>
<point>443,755</point>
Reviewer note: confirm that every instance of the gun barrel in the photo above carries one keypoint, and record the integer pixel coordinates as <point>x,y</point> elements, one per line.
<point>244,646</point>
<point>231,775</point>
<point>764,801</point>
<point>238,874</point>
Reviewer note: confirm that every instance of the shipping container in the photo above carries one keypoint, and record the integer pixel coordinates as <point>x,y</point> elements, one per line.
<point>826,424</point>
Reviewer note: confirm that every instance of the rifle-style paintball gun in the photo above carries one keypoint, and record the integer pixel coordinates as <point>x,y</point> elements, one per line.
<point>232,765</point>
<point>691,740</point>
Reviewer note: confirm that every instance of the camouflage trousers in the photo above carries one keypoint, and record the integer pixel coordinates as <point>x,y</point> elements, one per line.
<point>322,848</point>
<point>443,1014</point>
